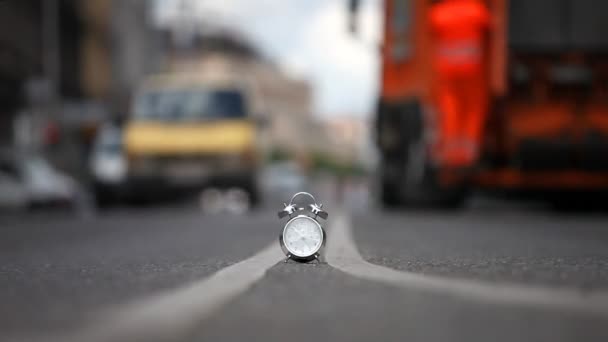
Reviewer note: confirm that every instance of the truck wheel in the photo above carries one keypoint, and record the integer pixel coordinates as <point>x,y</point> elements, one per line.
<point>421,178</point>
<point>390,195</point>
<point>421,182</point>
<point>408,178</point>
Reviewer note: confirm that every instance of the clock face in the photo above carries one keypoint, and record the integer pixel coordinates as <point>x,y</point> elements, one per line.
<point>303,236</point>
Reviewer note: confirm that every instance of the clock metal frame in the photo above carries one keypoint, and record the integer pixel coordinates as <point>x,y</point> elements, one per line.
<point>300,258</point>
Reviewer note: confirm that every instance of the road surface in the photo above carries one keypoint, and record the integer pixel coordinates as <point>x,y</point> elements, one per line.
<point>493,272</point>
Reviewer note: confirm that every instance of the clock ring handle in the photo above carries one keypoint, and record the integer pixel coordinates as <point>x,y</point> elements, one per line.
<point>302,194</point>
<point>316,209</point>
<point>291,208</point>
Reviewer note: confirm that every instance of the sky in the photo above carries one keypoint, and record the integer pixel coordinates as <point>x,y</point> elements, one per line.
<point>307,39</point>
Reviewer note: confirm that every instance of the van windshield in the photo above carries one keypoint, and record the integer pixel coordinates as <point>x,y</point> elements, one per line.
<point>190,105</point>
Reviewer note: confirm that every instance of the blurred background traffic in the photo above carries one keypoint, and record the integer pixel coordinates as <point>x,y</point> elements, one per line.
<point>118,101</point>
<point>102,99</point>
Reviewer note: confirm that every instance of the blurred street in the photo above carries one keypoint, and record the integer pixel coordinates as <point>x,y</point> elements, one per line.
<point>439,169</point>
<point>62,275</point>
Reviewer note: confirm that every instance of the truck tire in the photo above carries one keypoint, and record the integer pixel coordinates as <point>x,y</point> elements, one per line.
<point>390,195</point>
<point>408,178</point>
<point>421,186</point>
<point>391,122</point>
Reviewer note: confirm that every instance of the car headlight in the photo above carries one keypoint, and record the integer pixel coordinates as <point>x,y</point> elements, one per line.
<point>110,169</point>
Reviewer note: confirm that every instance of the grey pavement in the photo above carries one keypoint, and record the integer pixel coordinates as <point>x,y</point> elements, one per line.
<point>319,303</point>
<point>58,272</point>
<point>527,245</point>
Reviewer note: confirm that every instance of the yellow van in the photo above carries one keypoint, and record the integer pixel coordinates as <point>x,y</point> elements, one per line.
<point>185,133</point>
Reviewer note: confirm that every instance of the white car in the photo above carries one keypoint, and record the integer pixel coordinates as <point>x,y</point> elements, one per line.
<point>28,180</point>
<point>108,165</point>
<point>13,195</point>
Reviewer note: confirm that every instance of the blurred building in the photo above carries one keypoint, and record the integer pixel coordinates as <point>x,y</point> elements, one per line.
<point>68,65</point>
<point>349,139</point>
<point>72,52</point>
<point>285,101</point>
<point>120,47</point>
<point>288,103</point>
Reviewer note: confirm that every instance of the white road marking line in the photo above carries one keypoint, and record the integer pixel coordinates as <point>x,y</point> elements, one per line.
<point>342,254</point>
<point>172,315</point>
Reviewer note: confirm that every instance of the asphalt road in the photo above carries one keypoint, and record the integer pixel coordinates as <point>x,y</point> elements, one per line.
<point>55,271</point>
<point>488,243</point>
<point>59,273</point>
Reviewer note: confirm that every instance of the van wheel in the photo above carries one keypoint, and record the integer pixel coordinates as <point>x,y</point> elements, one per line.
<point>254,194</point>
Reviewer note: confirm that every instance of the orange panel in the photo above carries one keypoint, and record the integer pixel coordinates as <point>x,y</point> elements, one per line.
<point>597,117</point>
<point>537,120</point>
<point>561,180</point>
<point>412,76</point>
<point>407,76</point>
<point>498,47</point>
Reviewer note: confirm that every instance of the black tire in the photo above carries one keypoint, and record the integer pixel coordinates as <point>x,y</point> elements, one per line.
<point>578,201</point>
<point>450,198</point>
<point>408,178</point>
<point>103,197</point>
<point>254,197</point>
<point>390,196</point>
<point>254,193</point>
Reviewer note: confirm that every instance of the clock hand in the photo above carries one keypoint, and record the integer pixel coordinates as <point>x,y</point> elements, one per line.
<point>298,232</point>
<point>305,240</point>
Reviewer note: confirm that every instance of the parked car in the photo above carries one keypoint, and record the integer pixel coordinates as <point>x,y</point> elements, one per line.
<point>13,195</point>
<point>108,165</point>
<point>28,180</point>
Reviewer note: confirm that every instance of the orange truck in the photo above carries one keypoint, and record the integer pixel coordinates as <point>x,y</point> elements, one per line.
<point>543,130</point>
